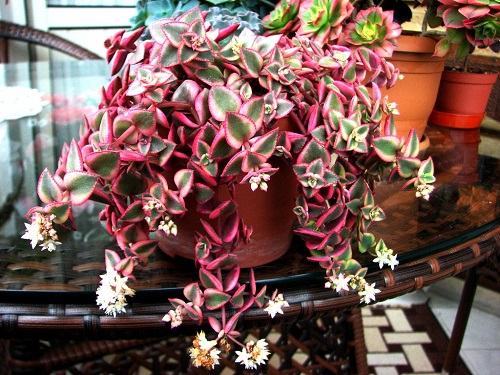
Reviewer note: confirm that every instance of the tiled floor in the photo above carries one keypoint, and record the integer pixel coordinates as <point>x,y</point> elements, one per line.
<point>394,347</point>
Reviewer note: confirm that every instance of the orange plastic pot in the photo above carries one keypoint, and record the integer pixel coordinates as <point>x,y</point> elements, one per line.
<point>416,93</point>
<point>462,99</point>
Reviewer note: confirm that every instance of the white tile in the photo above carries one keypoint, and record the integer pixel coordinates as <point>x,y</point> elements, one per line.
<point>407,338</point>
<point>482,362</point>
<point>398,320</point>
<point>366,311</point>
<point>373,340</point>
<point>375,321</point>
<point>384,359</point>
<point>386,370</point>
<point>407,300</point>
<point>417,358</point>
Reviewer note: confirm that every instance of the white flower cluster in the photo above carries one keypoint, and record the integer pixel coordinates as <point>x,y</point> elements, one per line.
<point>340,282</point>
<point>385,256</point>
<point>168,226</point>
<point>111,294</point>
<point>253,354</point>
<point>424,191</point>
<point>367,292</point>
<point>203,352</point>
<point>174,317</point>
<point>259,181</point>
<point>275,305</point>
<point>41,231</point>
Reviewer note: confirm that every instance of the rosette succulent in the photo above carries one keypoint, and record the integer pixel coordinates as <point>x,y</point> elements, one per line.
<point>375,29</point>
<point>185,115</point>
<point>469,24</point>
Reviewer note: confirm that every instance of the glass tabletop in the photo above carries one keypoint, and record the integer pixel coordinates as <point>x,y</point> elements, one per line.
<point>464,205</point>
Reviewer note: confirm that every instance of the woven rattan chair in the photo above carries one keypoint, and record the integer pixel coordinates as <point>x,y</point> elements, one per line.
<point>30,35</point>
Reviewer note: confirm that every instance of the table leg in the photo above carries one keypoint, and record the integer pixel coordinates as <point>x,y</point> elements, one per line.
<point>461,319</point>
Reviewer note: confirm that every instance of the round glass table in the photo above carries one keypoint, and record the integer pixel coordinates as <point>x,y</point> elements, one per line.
<point>52,295</point>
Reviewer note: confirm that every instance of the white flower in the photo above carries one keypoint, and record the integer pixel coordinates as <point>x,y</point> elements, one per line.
<point>259,181</point>
<point>424,191</point>
<point>174,317</point>
<point>41,231</point>
<point>253,354</point>
<point>340,282</point>
<point>367,292</point>
<point>392,261</point>
<point>275,305</point>
<point>111,294</point>
<point>168,226</point>
<point>203,352</point>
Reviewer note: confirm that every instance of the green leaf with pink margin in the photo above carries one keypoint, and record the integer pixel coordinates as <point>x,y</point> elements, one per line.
<point>232,278</point>
<point>387,147</point>
<point>222,100</point>
<point>232,323</point>
<point>312,151</point>
<point>74,160</point>
<point>227,261</point>
<point>105,164</point>
<point>212,76</point>
<point>184,181</point>
<point>215,299</point>
<point>173,30</point>
<point>234,165</point>
<point>215,324</point>
<point>201,106</point>
<point>406,166</point>
<point>129,183</point>
<point>284,108</point>
<point>252,160</point>
<point>62,212</point>
<point>134,212</point>
<point>203,193</point>
<point>254,108</point>
<point>111,258</point>
<point>47,189</point>
<point>144,121</point>
<point>238,299</point>
<point>169,55</point>
<point>252,61</point>
<point>426,171</point>
<point>442,47</point>
<point>143,249</point>
<point>260,298</point>
<point>412,146</point>
<point>174,204</point>
<point>266,144</point>
<point>125,266</point>
<point>209,280</point>
<point>238,129</point>
<point>80,185</point>
<point>193,293</point>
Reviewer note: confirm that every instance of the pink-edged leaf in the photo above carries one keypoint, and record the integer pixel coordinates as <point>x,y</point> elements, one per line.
<point>312,151</point>
<point>412,146</point>
<point>238,128</point>
<point>203,192</point>
<point>134,212</point>
<point>209,280</point>
<point>210,231</point>
<point>253,284</point>
<point>47,189</point>
<point>125,266</point>
<point>194,313</point>
<point>284,107</point>
<point>215,299</point>
<point>61,210</point>
<point>386,147</point>
<point>143,249</point>
<point>111,258</point>
<point>252,61</point>
<point>220,149</point>
<point>309,232</point>
<point>80,185</point>
<point>105,164</point>
<point>74,160</point>
<point>193,293</point>
<point>180,119</point>
<point>234,165</point>
<point>126,155</point>
<point>230,227</point>
<point>254,108</point>
<point>252,160</point>
<point>174,204</point>
<point>226,261</point>
<point>129,183</point>
<point>223,208</point>
<point>231,323</point>
<point>184,181</point>
<point>232,278</point>
<point>222,100</point>
<point>144,121</point>
<point>237,299</point>
<point>215,324</point>
<point>260,298</point>
<point>266,144</point>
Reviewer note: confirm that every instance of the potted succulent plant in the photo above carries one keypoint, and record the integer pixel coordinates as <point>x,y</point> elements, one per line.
<point>464,91</point>
<point>189,129</point>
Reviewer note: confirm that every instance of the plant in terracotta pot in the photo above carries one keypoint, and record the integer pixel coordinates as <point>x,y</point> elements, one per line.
<point>191,129</point>
<point>464,91</point>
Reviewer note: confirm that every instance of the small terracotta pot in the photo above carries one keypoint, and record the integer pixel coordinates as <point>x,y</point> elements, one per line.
<point>416,93</point>
<point>462,99</point>
<point>269,213</point>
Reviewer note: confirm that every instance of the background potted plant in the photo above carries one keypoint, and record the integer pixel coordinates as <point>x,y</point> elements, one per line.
<point>193,126</point>
<point>464,90</point>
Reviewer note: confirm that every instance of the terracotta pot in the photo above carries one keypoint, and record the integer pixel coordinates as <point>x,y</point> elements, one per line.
<point>462,99</point>
<point>269,213</point>
<point>416,93</point>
